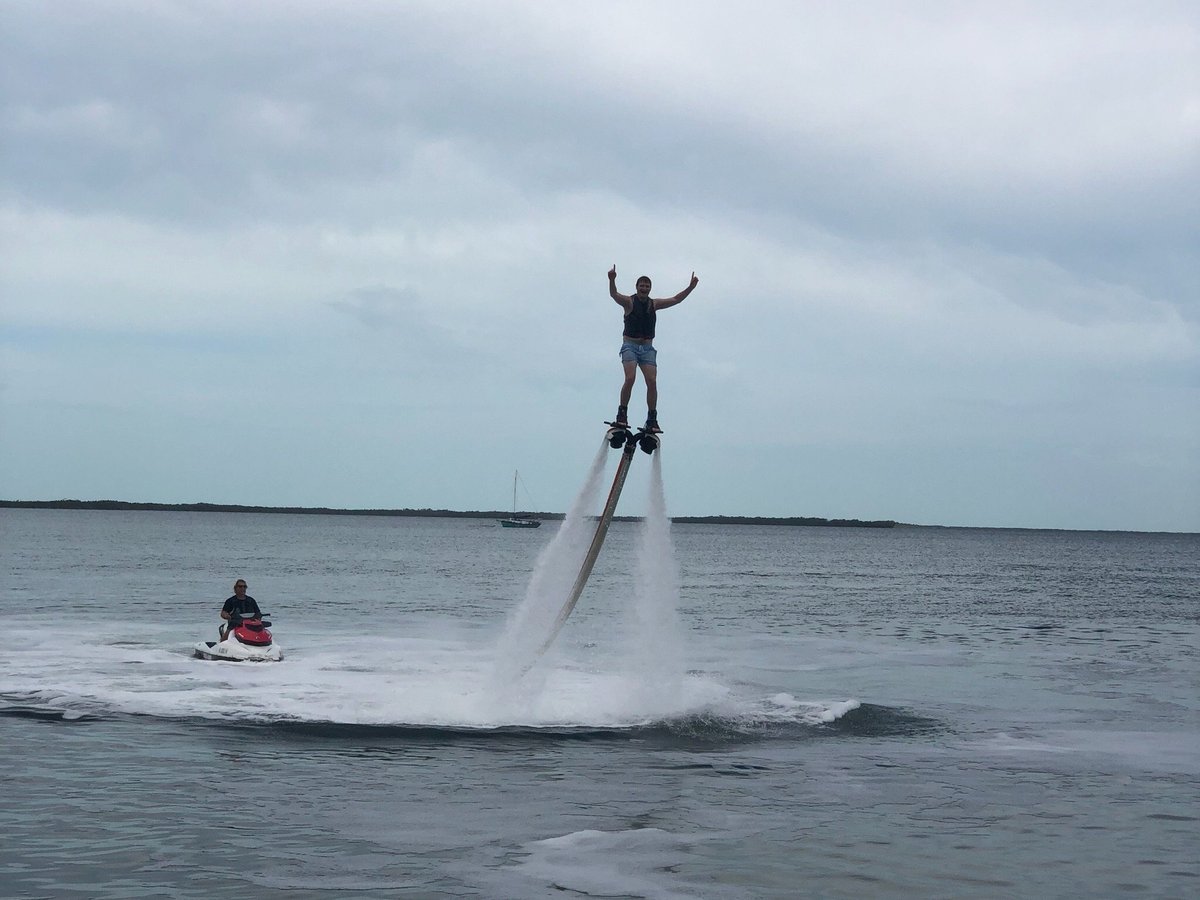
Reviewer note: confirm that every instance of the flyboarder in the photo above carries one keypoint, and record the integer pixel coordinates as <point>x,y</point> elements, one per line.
<point>637,343</point>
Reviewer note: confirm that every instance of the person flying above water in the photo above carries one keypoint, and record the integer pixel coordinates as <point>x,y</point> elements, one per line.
<point>240,606</point>
<point>637,343</point>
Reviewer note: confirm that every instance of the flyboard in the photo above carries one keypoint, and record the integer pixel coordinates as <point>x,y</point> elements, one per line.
<point>619,437</point>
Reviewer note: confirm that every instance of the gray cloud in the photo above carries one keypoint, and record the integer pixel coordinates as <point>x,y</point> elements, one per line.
<point>903,219</point>
<point>380,306</point>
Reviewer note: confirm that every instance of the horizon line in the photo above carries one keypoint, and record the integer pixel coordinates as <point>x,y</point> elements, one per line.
<point>429,512</point>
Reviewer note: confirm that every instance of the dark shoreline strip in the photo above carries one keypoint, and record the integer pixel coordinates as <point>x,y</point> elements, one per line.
<point>116,505</point>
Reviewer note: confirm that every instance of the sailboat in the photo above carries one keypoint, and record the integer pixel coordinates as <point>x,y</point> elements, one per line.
<point>522,521</point>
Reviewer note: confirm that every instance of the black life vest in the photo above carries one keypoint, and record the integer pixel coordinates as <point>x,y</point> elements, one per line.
<point>639,321</point>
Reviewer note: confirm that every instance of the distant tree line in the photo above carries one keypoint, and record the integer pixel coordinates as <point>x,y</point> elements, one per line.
<point>239,508</point>
<point>783,520</point>
<point>425,513</point>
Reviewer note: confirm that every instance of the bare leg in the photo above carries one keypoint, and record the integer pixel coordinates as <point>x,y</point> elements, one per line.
<point>650,374</point>
<point>627,387</point>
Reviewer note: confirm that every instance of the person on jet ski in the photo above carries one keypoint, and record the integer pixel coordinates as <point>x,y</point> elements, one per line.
<point>240,606</point>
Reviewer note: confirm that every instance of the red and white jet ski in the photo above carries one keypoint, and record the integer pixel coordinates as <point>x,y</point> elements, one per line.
<point>247,640</point>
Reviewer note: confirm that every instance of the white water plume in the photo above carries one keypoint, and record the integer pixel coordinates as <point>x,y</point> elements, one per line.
<point>553,575</point>
<point>656,647</point>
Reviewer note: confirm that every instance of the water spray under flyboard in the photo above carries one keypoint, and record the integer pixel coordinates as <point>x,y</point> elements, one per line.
<point>619,437</point>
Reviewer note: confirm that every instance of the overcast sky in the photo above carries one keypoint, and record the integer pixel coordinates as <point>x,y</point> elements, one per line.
<point>354,254</point>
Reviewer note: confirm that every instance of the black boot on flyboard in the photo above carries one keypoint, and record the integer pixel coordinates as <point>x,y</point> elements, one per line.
<point>620,435</point>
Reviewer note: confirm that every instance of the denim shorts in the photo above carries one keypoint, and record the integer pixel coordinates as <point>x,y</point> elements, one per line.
<point>642,354</point>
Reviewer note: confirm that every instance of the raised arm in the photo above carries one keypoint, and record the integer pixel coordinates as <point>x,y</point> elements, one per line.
<point>620,298</point>
<point>678,298</point>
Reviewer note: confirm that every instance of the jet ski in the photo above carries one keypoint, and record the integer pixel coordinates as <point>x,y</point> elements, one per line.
<point>248,639</point>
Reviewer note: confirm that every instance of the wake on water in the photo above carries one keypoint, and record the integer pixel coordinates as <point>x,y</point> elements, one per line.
<point>438,681</point>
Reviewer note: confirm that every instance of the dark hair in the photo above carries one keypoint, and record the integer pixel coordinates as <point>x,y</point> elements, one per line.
<point>645,278</point>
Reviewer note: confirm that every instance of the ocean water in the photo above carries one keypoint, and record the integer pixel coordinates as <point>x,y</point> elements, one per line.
<point>730,712</point>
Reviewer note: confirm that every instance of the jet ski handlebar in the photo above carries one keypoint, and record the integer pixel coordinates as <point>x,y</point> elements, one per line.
<point>237,619</point>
